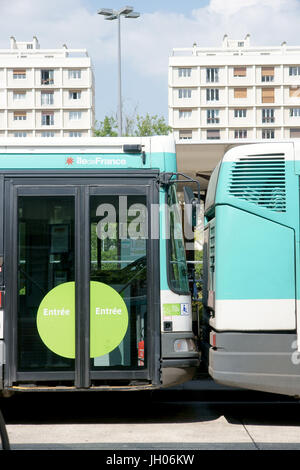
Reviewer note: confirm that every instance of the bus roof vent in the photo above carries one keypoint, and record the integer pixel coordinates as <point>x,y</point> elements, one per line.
<point>260,180</point>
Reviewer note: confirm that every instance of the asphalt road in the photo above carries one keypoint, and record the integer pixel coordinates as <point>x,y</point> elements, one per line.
<point>202,416</point>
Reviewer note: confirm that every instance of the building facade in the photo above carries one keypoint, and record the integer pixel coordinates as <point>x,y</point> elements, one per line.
<point>45,93</point>
<point>235,92</point>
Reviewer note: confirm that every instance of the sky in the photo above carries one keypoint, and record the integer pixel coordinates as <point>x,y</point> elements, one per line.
<point>147,42</point>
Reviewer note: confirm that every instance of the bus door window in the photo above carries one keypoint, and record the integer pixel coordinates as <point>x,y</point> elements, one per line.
<point>120,261</point>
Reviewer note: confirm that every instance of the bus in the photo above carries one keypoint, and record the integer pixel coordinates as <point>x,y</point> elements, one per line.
<point>251,289</point>
<point>94,292</point>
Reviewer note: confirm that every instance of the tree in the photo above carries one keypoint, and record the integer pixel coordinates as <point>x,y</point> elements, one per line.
<point>133,126</point>
<point>151,125</point>
<point>107,127</point>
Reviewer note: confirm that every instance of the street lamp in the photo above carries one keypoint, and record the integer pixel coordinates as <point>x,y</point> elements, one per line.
<point>116,15</point>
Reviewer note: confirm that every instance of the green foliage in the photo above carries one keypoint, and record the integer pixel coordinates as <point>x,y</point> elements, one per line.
<point>133,126</point>
<point>199,266</point>
<point>106,128</point>
<point>151,125</point>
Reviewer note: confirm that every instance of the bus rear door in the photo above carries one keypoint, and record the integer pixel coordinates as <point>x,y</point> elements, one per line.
<point>81,281</point>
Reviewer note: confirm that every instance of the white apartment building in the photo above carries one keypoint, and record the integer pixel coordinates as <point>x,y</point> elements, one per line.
<point>235,92</point>
<point>45,92</point>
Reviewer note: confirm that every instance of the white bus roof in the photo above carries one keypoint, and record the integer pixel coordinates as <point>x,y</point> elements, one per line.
<point>85,145</point>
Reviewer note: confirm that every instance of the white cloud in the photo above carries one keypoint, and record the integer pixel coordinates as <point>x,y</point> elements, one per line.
<point>231,7</point>
<point>147,41</point>
<point>269,22</point>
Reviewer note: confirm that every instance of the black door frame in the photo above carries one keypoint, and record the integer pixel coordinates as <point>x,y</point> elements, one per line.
<point>80,186</point>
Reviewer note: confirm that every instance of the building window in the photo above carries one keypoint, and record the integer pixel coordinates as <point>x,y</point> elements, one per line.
<point>47,119</point>
<point>20,134</point>
<point>295,133</point>
<point>185,113</point>
<point>239,71</point>
<point>48,134</point>
<point>240,113</point>
<point>267,95</point>
<point>240,93</point>
<point>75,134</point>
<point>19,116</point>
<point>294,112</point>
<point>47,77</point>
<point>74,74</point>
<point>19,74</point>
<point>74,95</point>
<point>47,98</point>
<point>268,134</point>
<point>294,70</point>
<point>212,94</point>
<point>267,115</point>
<point>213,134</point>
<point>294,92</point>
<point>267,74</point>
<point>212,116</point>
<point>74,115</point>
<point>185,134</point>
<point>212,75</point>
<point>184,93</point>
<point>240,134</point>
<point>184,72</point>
<point>19,95</point>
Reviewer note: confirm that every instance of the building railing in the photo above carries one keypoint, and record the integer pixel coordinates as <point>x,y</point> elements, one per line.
<point>56,53</point>
<point>247,51</point>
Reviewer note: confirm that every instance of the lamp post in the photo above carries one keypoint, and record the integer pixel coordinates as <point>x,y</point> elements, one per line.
<point>116,15</point>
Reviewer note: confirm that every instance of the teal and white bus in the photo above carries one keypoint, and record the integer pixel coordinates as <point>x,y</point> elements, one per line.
<point>94,292</point>
<point>251,297</point>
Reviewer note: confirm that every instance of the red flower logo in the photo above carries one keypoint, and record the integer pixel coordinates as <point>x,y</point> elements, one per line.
<point>69,161</point>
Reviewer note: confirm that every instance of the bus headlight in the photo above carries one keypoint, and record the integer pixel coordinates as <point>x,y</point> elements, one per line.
<point>184,345</point>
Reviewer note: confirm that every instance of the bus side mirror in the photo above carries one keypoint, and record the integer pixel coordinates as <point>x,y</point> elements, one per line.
<point>190,207</point>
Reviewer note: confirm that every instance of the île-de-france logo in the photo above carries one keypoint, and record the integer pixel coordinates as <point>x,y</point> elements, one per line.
<point>69,161</point>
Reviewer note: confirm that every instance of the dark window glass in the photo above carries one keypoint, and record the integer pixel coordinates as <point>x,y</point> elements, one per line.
<point>118,227</point>
<point>46,258</point>
<point>178,280</point>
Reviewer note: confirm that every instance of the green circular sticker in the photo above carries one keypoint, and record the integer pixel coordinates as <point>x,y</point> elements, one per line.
<point>56,320</point>
<point>108,319</point>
